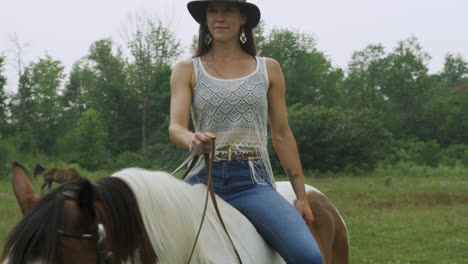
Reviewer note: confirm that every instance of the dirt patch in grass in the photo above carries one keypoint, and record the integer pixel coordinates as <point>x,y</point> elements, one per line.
<point>440,198</point>
<point>415,199</point>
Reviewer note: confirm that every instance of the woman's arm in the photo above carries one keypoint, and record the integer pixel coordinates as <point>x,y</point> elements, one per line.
<point>182,82</point>
<point>283,139</point>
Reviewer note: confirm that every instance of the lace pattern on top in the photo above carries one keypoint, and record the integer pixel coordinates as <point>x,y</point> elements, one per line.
<point>235,110</point>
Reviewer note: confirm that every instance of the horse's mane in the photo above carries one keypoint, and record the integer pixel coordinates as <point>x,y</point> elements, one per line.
<point>36,234</point>
<point>127,227</point>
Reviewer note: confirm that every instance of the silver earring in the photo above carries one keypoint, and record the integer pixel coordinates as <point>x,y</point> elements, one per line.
<point>208,39</point>
<point>243,38</point>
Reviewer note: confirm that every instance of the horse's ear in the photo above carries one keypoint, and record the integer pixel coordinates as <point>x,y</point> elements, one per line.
<point>86,197</point>
<point>22,187</point>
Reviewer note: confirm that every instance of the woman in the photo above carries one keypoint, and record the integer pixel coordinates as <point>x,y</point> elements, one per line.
<point>231,93</point>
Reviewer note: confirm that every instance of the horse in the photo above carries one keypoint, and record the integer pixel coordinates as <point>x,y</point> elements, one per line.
<point>54,174</point>
<point>142,216</point>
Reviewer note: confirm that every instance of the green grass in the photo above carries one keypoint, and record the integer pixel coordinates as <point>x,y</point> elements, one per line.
<point>390,219</point>
<point>402,219</point>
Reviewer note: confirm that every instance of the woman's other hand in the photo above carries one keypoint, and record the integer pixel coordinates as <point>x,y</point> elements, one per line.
<point>303,207</point>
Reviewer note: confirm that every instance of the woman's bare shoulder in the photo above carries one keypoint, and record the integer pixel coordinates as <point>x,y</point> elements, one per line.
<point>183,71</point>
<point>271,61</point>
<point>184,66</point>
<point>273,66</point>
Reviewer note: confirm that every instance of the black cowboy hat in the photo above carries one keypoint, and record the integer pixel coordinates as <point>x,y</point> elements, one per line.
<point>197,10</point>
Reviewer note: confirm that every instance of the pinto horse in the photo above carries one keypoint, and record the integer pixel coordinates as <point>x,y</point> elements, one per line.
<point>144,216</point>
<point>54,174</point>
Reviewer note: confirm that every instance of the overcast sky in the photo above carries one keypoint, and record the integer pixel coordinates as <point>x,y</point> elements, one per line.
<point>65,29</point>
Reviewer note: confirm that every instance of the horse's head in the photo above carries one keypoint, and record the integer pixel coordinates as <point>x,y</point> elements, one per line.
<point>77,222</point>
<point>37,170</point>
<point>65,226</point>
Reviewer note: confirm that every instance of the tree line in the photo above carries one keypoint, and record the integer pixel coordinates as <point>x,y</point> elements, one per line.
<point>112,110</point>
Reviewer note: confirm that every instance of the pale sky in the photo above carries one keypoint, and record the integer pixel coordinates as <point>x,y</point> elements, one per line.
<point>65,29</point>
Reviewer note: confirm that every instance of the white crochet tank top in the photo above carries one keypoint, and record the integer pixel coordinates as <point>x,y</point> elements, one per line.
<point>236,111</point>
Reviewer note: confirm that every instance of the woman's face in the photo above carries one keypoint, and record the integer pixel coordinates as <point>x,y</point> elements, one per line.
<point>224,21</point>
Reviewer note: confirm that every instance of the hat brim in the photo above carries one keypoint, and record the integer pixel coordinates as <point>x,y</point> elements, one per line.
<point>198,8</point>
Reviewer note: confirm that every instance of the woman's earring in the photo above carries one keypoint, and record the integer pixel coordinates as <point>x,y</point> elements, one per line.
<point>208,39</point>
<point>243,38</point>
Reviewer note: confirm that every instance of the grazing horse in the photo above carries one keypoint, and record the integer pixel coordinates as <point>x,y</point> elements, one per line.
<point>147,217</point>
<point>54,174</point>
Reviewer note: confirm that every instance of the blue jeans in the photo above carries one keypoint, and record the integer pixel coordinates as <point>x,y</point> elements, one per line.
<point>277,221</point>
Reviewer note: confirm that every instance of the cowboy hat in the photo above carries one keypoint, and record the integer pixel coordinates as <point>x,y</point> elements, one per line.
<point>197,10</point>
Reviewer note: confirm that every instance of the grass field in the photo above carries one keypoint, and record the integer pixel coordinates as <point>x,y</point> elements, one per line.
<point>390,219</point>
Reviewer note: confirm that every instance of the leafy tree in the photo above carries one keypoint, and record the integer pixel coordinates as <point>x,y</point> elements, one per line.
<point>333,139</point>
<point>159,104</point>
<point>91,143</point>
<point>35,108</point>
<point>407,86</point>
<point>46,78</point>
<point>193,45</point>
<point>3,97</point>
<point>74,99</point>
<point>412,151</point>
<point>22,104</point>
<point>22,109</point>
<point>310,78</point>
<point>454,154</point>
<point>109,93</point>
<point>455,69</point>
<point>6,155</point>
<point>445,118</point>
<point>363,83</point>
<point>86,144</point>
<point>153,47</point>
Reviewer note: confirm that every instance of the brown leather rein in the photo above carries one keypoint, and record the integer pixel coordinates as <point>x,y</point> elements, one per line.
<point>193,158</point>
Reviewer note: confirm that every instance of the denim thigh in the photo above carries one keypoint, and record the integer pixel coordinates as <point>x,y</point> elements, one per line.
<point>276,220</point>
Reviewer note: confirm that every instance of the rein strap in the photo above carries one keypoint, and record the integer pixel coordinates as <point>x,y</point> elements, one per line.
<point>193,157</point>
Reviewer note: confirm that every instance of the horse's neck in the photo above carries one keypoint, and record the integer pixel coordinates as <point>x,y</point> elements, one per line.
<point>171,210</point>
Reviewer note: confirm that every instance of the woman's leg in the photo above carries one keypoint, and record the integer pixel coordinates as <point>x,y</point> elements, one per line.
<point>279,223</point>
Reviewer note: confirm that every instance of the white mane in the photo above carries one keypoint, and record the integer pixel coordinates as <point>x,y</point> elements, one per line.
<point>172,210</point>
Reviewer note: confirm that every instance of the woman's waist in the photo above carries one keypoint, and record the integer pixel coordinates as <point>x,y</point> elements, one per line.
<point>239,140</point>
<point>238,136</point>
<point>229,153</point>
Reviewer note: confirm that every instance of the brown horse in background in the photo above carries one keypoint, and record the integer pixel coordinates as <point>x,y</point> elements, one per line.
<point>54,174</point>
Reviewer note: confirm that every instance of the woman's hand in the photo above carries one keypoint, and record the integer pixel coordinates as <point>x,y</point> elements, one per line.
<point>303,207</point>
<point>198,138</point>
